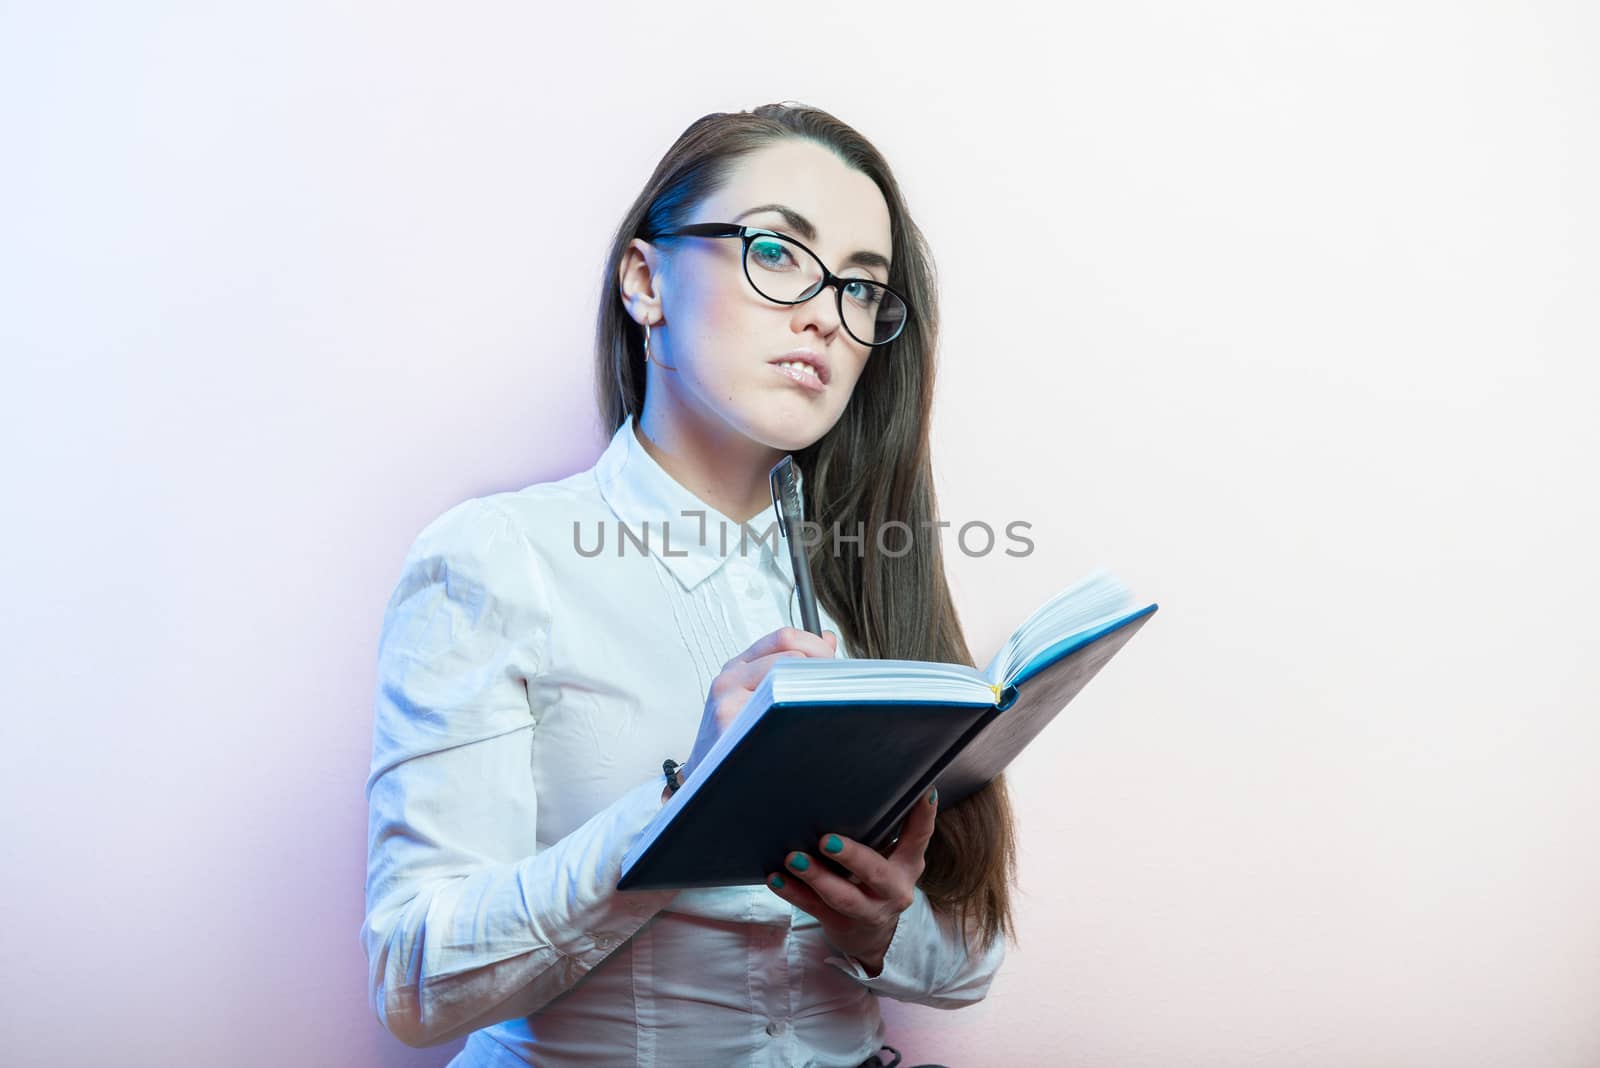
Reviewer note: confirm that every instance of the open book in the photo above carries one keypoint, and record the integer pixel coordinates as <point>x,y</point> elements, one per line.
<point>848,746</point>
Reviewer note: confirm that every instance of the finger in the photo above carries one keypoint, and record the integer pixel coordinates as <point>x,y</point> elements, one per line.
<point>836,892</point>
<point>801,896</point>
<point>917,829</point>
<point>802,641</point>
<point>751,674</point>
<point>877,875</point>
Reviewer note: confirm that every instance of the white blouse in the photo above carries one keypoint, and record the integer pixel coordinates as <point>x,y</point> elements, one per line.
<point>528,690</point>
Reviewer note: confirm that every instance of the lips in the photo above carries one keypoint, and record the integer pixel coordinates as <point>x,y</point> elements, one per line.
<point>806,356</point>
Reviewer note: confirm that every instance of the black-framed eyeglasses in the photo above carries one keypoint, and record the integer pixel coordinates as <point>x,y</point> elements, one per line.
<point>784,271</point>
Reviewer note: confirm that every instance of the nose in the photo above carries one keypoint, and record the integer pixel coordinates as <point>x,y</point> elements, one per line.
<point>822,308</point>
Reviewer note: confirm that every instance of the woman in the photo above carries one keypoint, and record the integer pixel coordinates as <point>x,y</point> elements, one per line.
<point>546,648</point>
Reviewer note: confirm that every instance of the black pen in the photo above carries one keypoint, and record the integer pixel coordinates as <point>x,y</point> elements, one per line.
<point>791,511</point>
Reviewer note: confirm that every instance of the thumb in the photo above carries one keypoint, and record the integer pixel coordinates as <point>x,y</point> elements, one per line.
<point>832,638</point>
<point>917,827</point>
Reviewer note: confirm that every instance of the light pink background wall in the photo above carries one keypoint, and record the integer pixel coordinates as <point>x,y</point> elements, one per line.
<point>1288,317</point>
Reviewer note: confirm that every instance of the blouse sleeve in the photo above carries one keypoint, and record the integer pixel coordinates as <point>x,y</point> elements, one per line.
<point>468,923</point>
<point>928,961</point>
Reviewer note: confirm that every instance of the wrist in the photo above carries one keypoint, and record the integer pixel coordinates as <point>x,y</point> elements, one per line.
<point>872,965</point>
<point>871,960</point>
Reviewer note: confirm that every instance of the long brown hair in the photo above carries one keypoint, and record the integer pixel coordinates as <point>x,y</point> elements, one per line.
<point>871,468</point>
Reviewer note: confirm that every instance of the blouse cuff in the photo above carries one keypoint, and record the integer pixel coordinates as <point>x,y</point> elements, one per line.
<point>899,977</point>
<point>928,961</point>
<point>597,917</point>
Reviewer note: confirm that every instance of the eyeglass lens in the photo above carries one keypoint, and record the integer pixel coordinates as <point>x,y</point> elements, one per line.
<point>783,271</point>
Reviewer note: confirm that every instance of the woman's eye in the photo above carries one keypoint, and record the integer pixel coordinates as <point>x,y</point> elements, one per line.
<point>770,253</point>
<point>864,294</point>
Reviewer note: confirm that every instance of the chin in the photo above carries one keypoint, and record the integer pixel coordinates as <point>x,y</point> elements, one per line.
<point>784,430</point>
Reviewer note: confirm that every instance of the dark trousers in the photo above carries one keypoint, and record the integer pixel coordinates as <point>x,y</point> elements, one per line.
<point>877,1060</point>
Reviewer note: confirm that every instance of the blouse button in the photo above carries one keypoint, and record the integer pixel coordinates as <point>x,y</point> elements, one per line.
<point>753,592</point>
<point>776,1027</point>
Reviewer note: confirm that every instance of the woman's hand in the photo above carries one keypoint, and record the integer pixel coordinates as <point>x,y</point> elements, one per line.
<point>859,914</point>
<point>733,686</point>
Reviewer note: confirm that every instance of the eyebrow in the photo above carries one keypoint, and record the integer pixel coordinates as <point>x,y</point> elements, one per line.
<point>802,225</point>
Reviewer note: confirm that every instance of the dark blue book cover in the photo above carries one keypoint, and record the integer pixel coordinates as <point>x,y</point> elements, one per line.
<point>848,746</point>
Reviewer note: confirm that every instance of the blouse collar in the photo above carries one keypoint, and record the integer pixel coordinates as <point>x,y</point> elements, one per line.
<point>640,491</point>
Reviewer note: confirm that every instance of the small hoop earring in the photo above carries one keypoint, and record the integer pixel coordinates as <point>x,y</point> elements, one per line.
<point>649,358</point>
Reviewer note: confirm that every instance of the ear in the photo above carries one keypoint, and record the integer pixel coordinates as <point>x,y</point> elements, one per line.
<point>641,279</point>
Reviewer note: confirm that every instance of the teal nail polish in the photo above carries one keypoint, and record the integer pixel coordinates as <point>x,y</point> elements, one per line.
<point>833,844</point>
<point>933,798</point>
<point>799,862</point>
<point>776,882</point>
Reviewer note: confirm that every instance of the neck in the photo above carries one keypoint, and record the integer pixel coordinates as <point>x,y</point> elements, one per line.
<point>717,464</point>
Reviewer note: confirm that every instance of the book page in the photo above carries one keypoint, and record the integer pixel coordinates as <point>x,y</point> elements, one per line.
<point>1097,598</point>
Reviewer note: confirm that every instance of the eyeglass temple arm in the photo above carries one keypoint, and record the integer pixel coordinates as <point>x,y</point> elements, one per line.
<point>702,230</point>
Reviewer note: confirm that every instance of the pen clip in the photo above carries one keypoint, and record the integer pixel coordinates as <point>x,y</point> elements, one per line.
<point>781,478</point>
